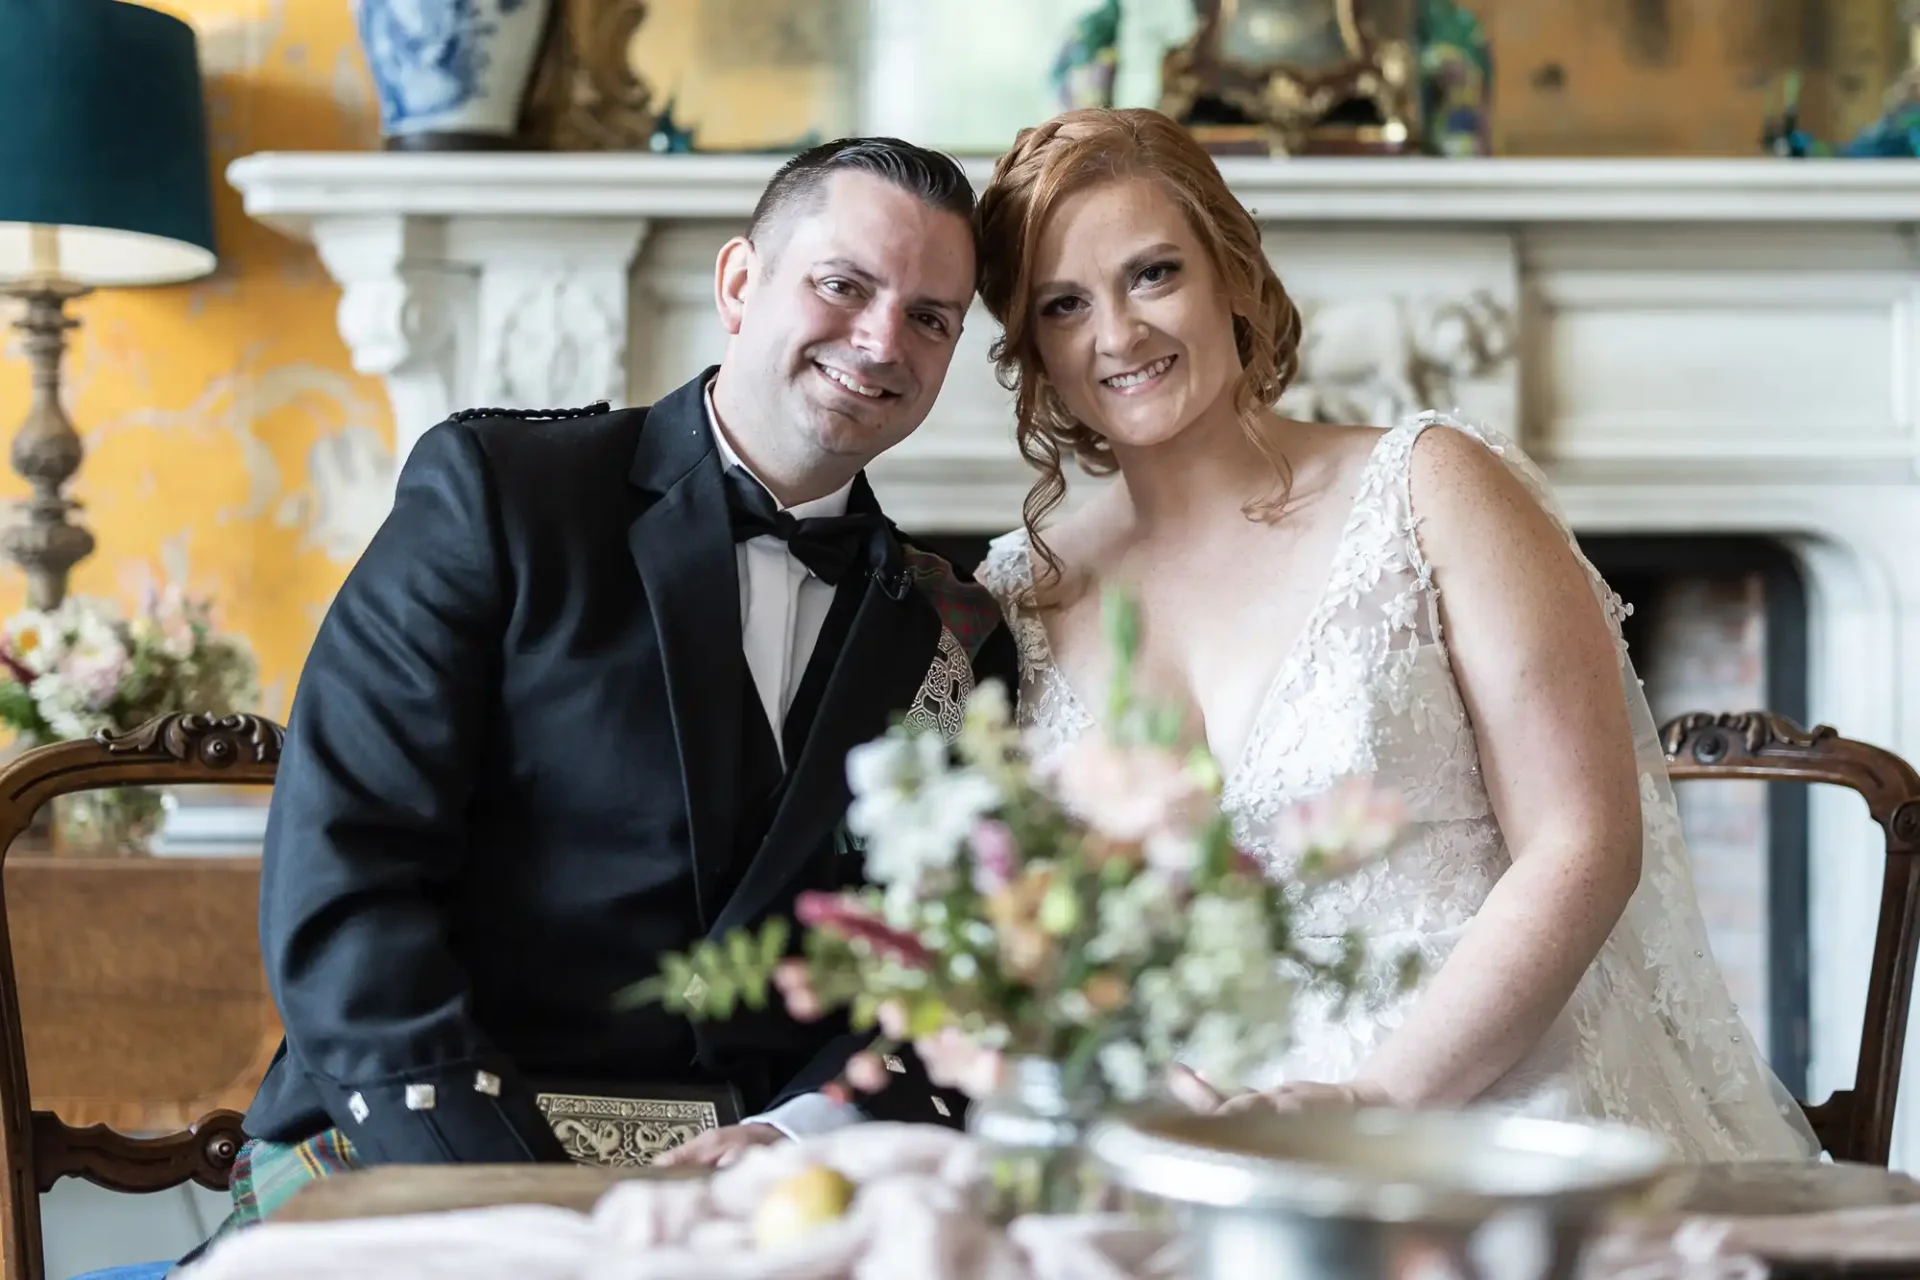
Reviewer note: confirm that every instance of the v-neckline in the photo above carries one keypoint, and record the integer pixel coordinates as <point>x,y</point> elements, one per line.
<point>1288,669</point>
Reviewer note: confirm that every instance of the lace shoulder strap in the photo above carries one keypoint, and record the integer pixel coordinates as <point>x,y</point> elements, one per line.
<point>1373,574</point>
<point>1531,478</point>
<point>1007,572</point>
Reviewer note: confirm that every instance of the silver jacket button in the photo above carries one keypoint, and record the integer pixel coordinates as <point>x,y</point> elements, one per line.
<point>358,1106</point>
<point>420,1097</point>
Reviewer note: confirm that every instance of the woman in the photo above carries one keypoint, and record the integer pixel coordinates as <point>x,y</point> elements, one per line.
<point>1330,600</point>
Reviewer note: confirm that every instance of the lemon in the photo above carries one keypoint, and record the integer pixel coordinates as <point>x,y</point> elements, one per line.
<point>797,1204</point>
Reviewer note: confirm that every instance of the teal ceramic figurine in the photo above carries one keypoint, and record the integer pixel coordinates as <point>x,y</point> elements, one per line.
<point>1456,80</point>
<point>1083,69</point>
<point>1896,133</point>
<point>669,136</point>
<point>1784,137</point>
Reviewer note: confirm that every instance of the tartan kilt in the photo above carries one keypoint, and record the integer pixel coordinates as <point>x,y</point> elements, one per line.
<point>267,1174</point>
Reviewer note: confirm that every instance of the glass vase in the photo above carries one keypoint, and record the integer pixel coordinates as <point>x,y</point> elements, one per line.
<point>109,822</point>
<point>1031,1133</point>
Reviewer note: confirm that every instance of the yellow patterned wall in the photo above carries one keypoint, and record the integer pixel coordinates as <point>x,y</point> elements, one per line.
<point>229,443</point>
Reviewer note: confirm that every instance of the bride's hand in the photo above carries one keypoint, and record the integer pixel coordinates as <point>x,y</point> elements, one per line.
<point>1190,1091</point>
<point>1310,1095</point>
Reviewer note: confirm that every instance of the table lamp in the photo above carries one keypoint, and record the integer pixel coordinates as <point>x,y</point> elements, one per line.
<point>103,182</point>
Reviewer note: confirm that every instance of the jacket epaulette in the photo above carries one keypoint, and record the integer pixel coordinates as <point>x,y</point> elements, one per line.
<point>966,608</point>
<point>534,415</point>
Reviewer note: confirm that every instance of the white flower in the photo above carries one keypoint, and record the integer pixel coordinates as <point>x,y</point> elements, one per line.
<point>1226,940</point>
<point>96,660</point>
<point>1073,1006</point>
<point>894,762</point>
<point>1132,918</point>
<point>1215,1048</point>
<point>1124,1064</point>
<point>1176,853</point>
<point>65,707</point>
<point>913,810</point>
<point>35,640</point>
<point>988,707</point>
<point>1225,1004</point>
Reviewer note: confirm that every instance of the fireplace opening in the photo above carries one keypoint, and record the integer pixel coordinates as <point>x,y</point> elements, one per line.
<point>1718,624</point>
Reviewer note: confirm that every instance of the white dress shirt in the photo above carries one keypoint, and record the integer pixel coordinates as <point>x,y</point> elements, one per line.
<point>782,605</point>
<point>782,608</point>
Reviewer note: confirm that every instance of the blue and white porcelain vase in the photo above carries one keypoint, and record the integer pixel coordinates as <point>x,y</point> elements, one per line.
<point>450,73</point>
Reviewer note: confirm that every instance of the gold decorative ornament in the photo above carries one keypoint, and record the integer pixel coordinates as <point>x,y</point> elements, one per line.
<point>1290,77</point>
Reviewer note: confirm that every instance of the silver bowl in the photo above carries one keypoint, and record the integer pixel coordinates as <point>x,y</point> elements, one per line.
<point>1368,1195</point>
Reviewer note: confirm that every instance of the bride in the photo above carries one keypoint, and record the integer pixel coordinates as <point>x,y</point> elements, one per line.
<point>1331,600</point>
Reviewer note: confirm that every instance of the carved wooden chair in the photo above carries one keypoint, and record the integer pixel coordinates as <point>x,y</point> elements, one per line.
<point>1857,1123</point>
<point>36,1148</point>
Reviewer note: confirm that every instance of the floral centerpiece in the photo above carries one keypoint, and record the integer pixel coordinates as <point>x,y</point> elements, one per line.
<point>83,666</point>
<point>1053,935</point>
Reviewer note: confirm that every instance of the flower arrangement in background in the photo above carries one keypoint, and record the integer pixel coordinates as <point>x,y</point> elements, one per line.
<point>83,666</point>
<point>1091,910</point>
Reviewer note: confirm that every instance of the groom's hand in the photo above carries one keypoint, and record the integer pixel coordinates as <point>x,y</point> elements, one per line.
<point>717,1147</point>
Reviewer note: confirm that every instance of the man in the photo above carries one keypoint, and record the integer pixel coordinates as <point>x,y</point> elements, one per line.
<point>587,698</point>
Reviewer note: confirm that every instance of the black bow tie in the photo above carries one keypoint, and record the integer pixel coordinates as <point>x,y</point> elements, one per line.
<point>829,546</point>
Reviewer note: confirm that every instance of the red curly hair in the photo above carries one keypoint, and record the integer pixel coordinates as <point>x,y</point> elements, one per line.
<point>1068,153</point>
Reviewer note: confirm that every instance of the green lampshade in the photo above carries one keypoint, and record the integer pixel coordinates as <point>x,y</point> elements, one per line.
<point>103,135</point>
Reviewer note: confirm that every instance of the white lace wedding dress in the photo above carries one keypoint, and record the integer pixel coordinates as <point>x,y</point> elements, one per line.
<point>1650,1036</point>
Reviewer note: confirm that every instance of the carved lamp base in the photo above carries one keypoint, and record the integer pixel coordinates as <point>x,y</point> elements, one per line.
<point>46,449</point>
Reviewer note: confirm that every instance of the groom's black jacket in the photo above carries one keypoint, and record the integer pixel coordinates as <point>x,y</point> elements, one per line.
<point>516,771</point>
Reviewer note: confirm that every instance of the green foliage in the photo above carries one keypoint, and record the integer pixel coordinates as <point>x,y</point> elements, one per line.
<point>714,979</point>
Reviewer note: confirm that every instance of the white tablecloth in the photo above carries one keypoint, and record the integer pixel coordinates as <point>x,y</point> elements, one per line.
<point>911,1217</point>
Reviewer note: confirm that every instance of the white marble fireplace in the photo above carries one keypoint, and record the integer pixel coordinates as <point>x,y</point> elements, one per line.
<point>1718,347</point>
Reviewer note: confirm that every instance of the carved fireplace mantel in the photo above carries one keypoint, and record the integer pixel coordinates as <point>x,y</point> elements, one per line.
<point>1688,347</point>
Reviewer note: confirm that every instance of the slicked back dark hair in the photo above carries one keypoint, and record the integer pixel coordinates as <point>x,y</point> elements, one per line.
<point>800,183</point>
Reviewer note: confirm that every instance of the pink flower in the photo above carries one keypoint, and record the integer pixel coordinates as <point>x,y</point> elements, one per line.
<point>840,915</point>
<point>954,1061</point>
<point>995,856</point>
<point>1135,795</point>
<point>167,619</point>
<point>1354,822</point>
<point>866,1073</point>
<point>795,984</point>
<point>892,1017</point>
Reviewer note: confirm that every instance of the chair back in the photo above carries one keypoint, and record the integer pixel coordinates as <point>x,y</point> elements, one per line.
<point>1857,1123</point>
<point>36,1148</point>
